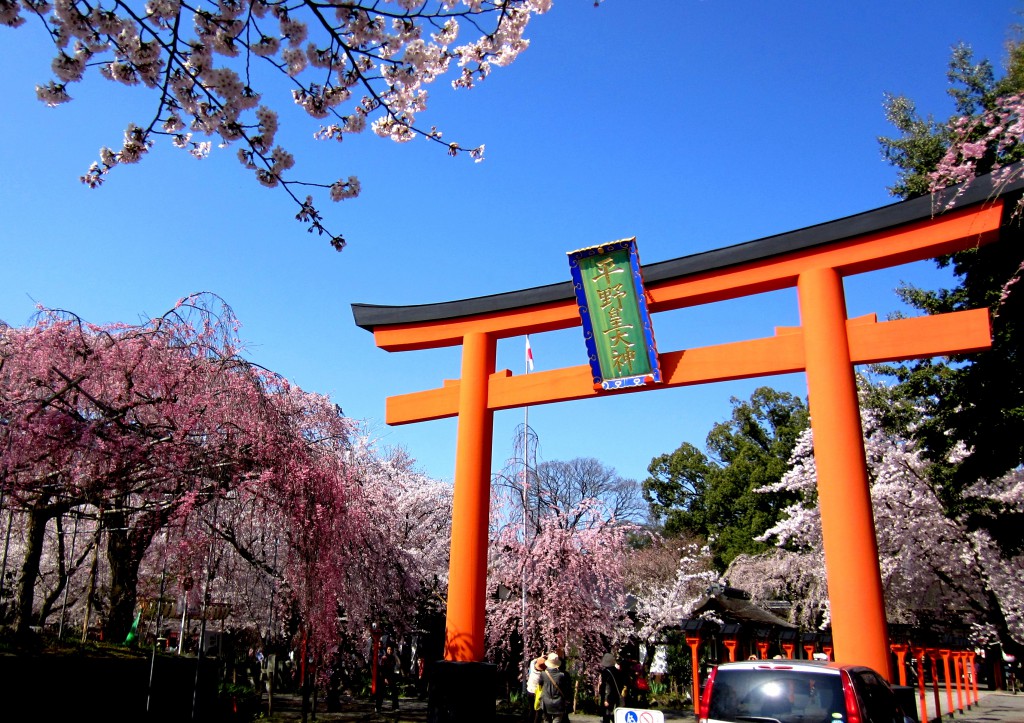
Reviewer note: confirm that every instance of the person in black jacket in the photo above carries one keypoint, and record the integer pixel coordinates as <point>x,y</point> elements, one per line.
<point>612,683</point>
<point>555,691</point>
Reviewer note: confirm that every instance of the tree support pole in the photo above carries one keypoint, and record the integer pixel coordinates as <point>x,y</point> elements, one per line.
<point>467,573</point>
<point>859,630</point>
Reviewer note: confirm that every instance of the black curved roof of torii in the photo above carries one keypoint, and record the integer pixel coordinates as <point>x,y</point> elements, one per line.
<point>983,188</point>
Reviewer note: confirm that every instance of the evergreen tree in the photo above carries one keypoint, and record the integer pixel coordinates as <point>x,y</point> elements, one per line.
<point>712,495</point>
<point>976,401</point>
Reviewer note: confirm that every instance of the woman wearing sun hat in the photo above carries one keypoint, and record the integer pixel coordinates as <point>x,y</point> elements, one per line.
<point>555,690</point>
<point>534,689</point>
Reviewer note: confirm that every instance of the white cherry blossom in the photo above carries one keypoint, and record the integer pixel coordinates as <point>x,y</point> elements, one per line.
<point>933,565</point>
<point>211,67</point>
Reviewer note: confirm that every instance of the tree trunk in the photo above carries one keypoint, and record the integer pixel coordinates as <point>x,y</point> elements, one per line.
<point>124,554</point>
<point>35,532</point>
<point>62,575</point>
<point>126,546</point>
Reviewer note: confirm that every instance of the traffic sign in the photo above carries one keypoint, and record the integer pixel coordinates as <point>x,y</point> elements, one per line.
<point>638,715</point>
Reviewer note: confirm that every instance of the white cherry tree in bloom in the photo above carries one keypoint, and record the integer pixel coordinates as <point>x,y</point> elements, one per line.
<point>420,522</point>
<point>349,65</point>
<point>795,571</point>
<point>412,513</point>
<point>934,568</point>
<point>662,602</point>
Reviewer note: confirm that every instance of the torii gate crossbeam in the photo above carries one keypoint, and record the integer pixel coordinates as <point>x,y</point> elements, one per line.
<point>827,345</point>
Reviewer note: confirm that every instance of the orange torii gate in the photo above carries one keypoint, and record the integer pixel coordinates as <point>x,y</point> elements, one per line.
<point>826,346</point>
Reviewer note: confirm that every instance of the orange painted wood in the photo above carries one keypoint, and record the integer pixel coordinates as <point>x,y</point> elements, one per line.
<point>826,346</point>
<point>919,337</point>
<point>694,644</point>
<point>467,572</point>
<point>856,598</point>
<point>914,242</point>
<point>449,332</point>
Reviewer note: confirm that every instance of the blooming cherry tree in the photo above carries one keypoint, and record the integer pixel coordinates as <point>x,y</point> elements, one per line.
<point>188,465</point>
<point>985,143</point>
<point>662,602</point>
<point>934,567</point>
<point>573,578</point>
<point>989,142</point>
<point>214,67</point>
<point>122,425</point>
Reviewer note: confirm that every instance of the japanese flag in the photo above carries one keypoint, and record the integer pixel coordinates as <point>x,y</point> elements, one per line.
<point>529,354</point>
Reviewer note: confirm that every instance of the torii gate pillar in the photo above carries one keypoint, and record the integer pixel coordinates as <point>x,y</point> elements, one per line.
<point>844,498</point>
<point>467,572</point>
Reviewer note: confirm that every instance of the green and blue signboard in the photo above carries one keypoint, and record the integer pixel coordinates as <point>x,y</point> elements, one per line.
<point>616,323</point>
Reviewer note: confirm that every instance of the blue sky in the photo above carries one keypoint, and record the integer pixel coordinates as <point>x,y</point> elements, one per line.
<point>689,124</point>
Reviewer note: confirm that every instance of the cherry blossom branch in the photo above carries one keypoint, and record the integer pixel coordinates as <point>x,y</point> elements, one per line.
<point>379,47</point>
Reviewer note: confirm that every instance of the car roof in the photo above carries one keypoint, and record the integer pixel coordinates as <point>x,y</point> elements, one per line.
<point>815,666</point>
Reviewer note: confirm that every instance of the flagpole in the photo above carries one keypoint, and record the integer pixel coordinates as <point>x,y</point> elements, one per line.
<point>527,363</point>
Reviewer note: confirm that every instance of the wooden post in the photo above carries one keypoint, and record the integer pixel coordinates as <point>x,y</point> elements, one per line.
<point>919,653</point>
<point>971,655</point>
<point>694,644</point>
<point>467,572</point>
<point>934,655</point>
<point>949,690</point>
<point>848,531</point>
<point>901,660</point>
<point>730,645</point>
<point>958,672</point>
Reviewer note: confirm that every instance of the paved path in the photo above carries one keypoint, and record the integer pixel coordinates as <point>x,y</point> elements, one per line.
<point>992,707</point>
<point>288,708</point>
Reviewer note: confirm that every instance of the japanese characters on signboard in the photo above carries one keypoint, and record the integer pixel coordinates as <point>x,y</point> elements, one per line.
<point>616,323</point>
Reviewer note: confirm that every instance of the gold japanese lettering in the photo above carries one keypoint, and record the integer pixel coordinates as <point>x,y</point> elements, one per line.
<point>623,360</point>
<point>605,268</point>
<point>617,331</point>
<point>612,295</point>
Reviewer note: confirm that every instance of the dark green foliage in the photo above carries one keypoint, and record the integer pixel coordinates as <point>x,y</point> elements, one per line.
<point>711,494</point>
<point>917,151</point>
<point>976,399</point>
<point>923,141</point>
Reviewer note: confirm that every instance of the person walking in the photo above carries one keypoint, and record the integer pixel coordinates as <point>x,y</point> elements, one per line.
<point>389,670</point>
<point>555,690</point>
<point>612,686</point>
<point>534,690</point>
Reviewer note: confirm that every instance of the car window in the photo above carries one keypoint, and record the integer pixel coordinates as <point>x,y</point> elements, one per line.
<point>877,698</point>
<point>786,696</point>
